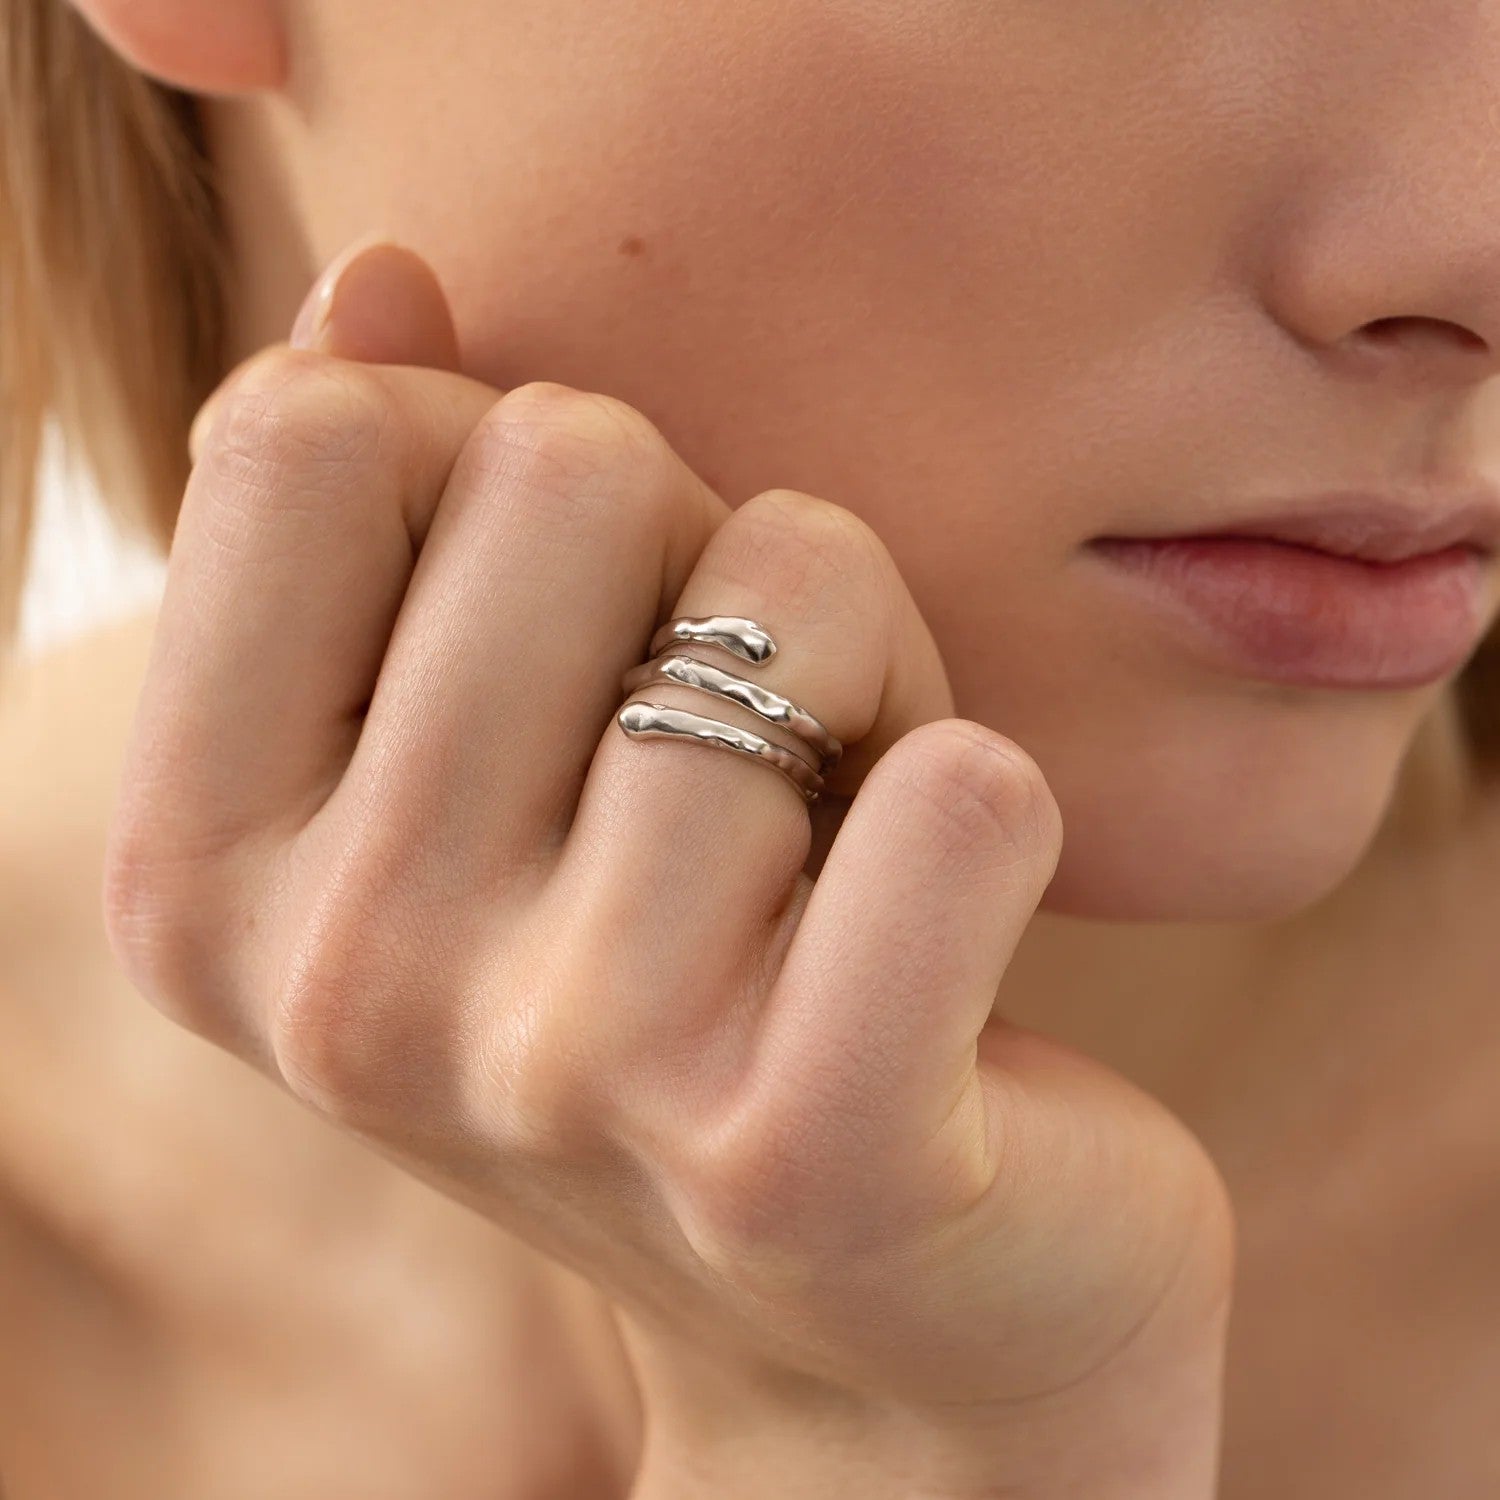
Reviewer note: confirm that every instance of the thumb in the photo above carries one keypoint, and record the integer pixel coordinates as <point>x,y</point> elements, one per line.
<point>381,304</point>
<point>376,302</point>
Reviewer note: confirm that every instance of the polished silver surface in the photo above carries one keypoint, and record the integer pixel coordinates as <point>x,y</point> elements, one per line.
<point>748,641</point>
<point>773,707</point>
<point>658,721</point>
<point>732,633</point>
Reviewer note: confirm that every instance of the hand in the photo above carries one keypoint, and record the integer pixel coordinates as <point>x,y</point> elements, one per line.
<point>379,834</point>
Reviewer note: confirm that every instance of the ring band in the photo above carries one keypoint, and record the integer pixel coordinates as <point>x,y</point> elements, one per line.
<point>658,721</point>
<point>750,642</point>
<point>771,706</point>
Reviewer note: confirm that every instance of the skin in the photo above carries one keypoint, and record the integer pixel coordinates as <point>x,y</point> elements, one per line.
<point>1246,289</point>
<point>1130,290</point>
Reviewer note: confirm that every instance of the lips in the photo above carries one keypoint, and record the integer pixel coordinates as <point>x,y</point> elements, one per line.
<point>1379,528</point>
<point>1350,591</point>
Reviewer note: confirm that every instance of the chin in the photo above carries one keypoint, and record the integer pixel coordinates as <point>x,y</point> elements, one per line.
<point>1217,811</point>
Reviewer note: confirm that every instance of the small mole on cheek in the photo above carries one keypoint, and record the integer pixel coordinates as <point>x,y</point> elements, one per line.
<point>632,245</point>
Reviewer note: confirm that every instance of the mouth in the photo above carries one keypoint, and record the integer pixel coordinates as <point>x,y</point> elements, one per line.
<point>1381,528</point>
<point>1343,591</point>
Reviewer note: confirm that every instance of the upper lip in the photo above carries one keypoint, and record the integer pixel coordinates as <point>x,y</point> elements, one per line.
<point>1383,526</point>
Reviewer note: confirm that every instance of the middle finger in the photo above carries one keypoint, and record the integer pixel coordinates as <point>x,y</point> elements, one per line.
<point>566,522</point>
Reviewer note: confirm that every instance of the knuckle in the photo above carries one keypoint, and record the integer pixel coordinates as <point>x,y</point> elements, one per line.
<point>535,1083</point>
<point>360,1027</point>
<point>548,404</point>
<point>295,422</point>
<point>163,920</point>
<point>144,920</point>
<point>824,559</point>
<point>325,1036</point>
<point>755,1208</point>
<point>563,442</point>
<point>982,787</point>
<point>594,469</point>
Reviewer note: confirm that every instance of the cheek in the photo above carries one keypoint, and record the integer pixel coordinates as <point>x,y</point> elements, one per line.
<point>954,265</point>
<point>803,203</point>
<point>873,255</point>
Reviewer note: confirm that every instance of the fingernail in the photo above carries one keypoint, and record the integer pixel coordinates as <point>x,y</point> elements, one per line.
<point>312,330</point>
<point>314,317</point>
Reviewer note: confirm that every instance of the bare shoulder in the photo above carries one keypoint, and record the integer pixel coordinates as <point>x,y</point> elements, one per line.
<point>65,714</point>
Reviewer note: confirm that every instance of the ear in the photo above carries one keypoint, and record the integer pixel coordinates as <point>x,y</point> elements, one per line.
<point>203,46</point>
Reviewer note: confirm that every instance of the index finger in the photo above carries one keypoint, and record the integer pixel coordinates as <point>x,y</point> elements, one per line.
<point>295,540</point>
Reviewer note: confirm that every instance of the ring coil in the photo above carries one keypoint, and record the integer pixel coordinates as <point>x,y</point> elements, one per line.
<point>749,642</point>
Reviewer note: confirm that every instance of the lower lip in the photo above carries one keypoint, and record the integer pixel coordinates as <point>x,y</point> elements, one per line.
<point>1293,614</point>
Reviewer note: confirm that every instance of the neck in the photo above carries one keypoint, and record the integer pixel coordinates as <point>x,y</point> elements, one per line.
<point>1439,791</point>
<point>271,262</point>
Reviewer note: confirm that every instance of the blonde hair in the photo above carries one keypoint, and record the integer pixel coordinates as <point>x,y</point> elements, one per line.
<point>111,302</point>
<point>110,274</point>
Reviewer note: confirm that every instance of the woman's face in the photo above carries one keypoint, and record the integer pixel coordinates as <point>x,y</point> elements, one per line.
<point>1002,276</point>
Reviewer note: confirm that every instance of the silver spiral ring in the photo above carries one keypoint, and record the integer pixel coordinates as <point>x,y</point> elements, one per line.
<point>750,642</point>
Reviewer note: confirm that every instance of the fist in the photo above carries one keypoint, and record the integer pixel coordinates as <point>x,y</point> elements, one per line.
<point>381,834</point>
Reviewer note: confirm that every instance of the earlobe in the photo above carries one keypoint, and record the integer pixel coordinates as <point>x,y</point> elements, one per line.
<point>203,46</point>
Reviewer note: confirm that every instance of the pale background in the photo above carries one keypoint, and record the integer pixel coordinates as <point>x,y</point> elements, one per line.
<point>83,572</point>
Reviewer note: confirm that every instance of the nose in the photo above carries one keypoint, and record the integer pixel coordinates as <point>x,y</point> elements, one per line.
<point>1386,259</point>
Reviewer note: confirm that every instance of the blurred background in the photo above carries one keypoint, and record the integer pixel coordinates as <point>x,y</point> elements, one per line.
<point>84,571</point>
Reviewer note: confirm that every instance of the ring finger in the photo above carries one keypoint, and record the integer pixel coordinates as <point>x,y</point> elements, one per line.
<point>687,854</point>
